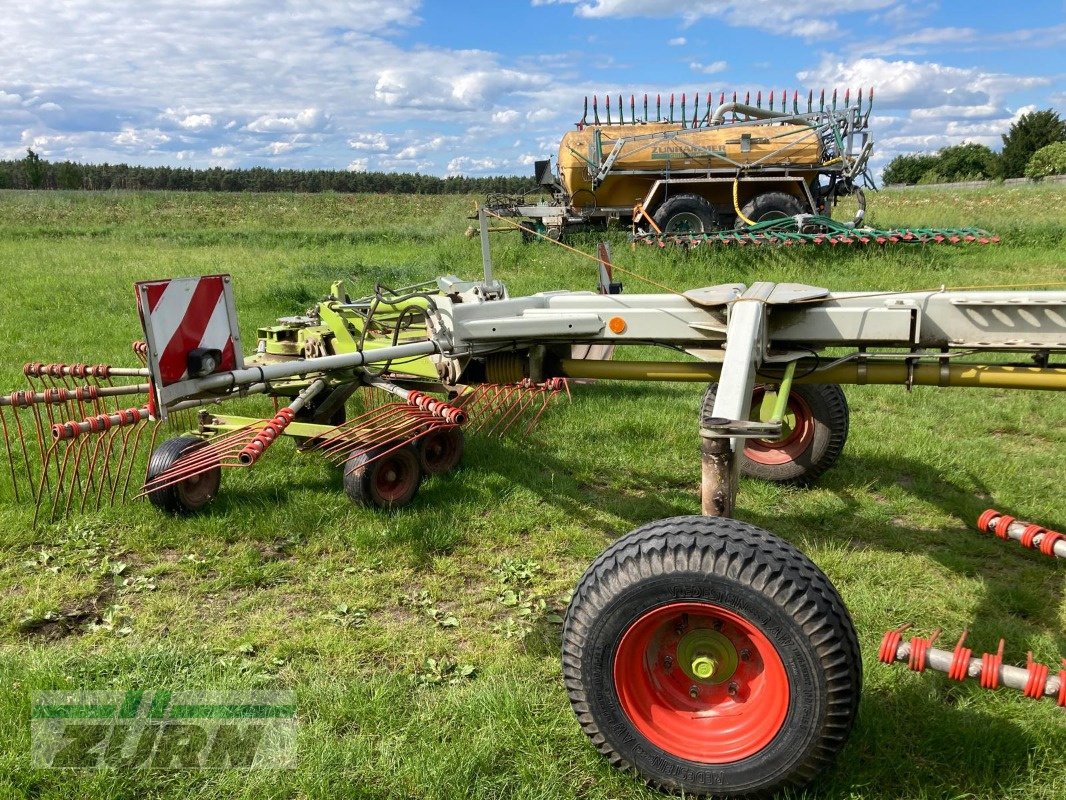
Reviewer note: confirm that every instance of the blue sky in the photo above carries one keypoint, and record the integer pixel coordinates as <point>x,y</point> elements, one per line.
<point>481,87</point>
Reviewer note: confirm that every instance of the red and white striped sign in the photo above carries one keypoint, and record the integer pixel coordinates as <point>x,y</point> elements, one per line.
<point>183,314</point>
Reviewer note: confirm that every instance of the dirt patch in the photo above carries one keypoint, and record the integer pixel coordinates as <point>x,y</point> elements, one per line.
<point>55,625</point>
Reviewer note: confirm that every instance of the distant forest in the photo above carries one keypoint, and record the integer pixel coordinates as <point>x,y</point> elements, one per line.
<point>33,172</point>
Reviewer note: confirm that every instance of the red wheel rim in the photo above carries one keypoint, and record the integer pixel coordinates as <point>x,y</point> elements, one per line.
<point>394,476</point>
<point>798,434</point>
<point>728,716</point>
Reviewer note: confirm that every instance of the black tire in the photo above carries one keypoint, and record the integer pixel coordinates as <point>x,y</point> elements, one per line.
<point>187,496</point>
<point>801,460</point>
<point>771,205</point>
<point>389,480</point>
<point>441,451</point>
<point>687,213</point>
<point>731,569</point>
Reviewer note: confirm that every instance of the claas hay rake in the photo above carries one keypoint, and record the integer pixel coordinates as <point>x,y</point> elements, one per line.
<point>701,652</point>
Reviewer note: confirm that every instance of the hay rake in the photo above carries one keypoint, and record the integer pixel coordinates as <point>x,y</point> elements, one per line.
<point>707,654</point>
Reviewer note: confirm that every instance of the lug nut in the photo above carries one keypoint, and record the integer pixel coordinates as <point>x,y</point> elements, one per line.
<point>668,662</point>
<point>718,624</point>
<point>745,654</point>
<point>694,692</point>
<point>733,688</point>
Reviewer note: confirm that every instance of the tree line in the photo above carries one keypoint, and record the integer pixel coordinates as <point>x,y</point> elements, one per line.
<point>33,172</point>
<point>1034,147</point>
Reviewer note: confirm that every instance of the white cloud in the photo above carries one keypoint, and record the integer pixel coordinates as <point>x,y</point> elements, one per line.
<point>808,21</point>
<point>911,84</point>
<point>358,165</point>
<point>709,69</point>
<point>505,117</point>
<point>327,83</point>
<point>149,137</point>
<point>427,83</point>
<point>465,165</point>
<point>375,142</point>
<point>310,119</point>
<point>196,122</point>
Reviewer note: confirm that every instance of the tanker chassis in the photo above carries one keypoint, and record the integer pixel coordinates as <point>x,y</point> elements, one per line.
<point>736,166</point>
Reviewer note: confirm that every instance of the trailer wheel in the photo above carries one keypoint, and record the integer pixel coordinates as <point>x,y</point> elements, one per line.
<point>687,213</point>
<point>771,205</point>
<point>441,451</point>
<point>383,481</point>
<point>815,431</point>
<point>710,657</point>
<point>187,496</point>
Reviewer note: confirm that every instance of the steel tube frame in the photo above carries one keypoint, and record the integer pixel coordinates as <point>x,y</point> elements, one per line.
<point>985,376</point>
<point>1014,677</point>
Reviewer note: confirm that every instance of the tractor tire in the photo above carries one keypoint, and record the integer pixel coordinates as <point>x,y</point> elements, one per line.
<point>710,657</point>
<point>687,213</point>
<point>770,205</point>
<point>187,496</point>
<point>816,431</point>
<point>387,481</point>
<point>441,451</point>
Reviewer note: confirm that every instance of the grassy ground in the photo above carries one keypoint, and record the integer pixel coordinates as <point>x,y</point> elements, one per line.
<point>284,584</point>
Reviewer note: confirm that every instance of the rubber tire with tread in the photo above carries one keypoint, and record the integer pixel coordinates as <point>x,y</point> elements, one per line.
<point>829,407</point>
<point>687,204</point>
<point>770,205</point>
<point>455,440</point>
<point>175,499</point>
<point>754,574</point>
<point>360,471</point>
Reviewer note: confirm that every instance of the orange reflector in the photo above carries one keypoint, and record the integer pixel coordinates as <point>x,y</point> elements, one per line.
<point>617,325</point>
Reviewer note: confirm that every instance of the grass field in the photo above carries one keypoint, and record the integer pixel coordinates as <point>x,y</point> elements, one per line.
<point>284,584</point>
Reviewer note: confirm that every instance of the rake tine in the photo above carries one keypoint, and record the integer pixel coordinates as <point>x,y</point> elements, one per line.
<point>40,489</point>
<point>59,480</point>
<point>397,446</point>
<point>98,444</point>
<point>22,440</point>
<point>10,457</point>
<point>39,425</point>
<point>400,429</point>
<point>510,414</point>
<point>348,430</point>
<point>139,430</point>
<point>111,479</point>
<point>543,407</point>
<point>202,460</point>
<point>78,445</point>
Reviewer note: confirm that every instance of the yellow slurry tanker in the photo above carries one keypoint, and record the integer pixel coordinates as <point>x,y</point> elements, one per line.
<point>736,165</point>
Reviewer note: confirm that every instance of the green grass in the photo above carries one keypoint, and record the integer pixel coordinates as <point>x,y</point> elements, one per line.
<point>283,584</point>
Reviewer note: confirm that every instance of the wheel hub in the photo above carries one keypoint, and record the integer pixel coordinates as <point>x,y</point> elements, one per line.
<point>706,655</point>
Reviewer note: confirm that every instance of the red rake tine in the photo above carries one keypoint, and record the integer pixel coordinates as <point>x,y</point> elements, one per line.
<point>10,456</point>
<point>510,415</point>
<point>133,454</point>
<point>399,445</point>
<point>203,459</point>
<point>355,429</point>
<point>41,488</point>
